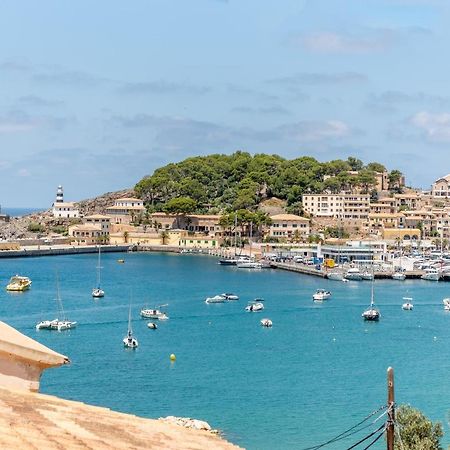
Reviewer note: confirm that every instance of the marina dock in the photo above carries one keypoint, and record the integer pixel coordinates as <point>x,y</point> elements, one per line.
<point>57,250</point>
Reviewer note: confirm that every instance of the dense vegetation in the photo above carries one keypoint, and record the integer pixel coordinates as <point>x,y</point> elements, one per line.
<point>241,181</point>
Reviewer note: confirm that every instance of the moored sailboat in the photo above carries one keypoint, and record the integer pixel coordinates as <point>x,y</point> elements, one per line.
<point>98,292</point>
<point>129,340</point>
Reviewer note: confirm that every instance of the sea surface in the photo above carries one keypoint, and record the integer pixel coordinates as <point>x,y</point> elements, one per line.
<point>316,373</point>
<point>19,212</point>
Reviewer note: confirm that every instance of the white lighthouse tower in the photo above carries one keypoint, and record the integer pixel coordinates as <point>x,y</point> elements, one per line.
<point>62,209</point>
<point>59,195</point>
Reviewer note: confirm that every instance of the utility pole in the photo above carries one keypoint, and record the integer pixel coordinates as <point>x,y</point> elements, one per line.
<point>391,409</point>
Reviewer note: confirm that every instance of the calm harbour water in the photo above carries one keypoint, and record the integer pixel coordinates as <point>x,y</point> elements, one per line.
<point>317,372</point>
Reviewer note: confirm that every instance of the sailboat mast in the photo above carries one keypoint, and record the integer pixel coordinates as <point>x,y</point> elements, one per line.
<point>58,298</point>
<point>98,268</point>
<point>250,240</point>
<point>235,235</point>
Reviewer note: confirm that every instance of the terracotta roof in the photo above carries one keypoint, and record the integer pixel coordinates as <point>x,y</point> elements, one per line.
<point>125,207</point>
<point>128,199</point>
<point>97,216</point>
<point>12,342</point>
<point>36,421</point>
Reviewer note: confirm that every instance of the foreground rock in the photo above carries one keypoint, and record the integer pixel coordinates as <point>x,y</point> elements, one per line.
<point>186,422</point>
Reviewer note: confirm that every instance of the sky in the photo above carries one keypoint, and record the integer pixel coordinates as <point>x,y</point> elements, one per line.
<point>96,95</point>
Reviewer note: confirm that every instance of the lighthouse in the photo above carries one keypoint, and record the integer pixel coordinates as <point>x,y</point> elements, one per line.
<point>59,195</point>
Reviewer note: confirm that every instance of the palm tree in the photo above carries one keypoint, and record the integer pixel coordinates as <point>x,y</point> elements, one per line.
<point>164,236</point>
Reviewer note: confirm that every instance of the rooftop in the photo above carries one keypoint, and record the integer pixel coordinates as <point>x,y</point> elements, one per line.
<point>30,421</point>
<point>128,199</point>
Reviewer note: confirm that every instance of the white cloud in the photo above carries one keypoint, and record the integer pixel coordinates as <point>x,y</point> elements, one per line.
<point>308,131</point>
<point>436,127</point>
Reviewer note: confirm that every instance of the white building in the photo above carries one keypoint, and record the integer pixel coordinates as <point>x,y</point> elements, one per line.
<point>346,206</point>
<point>62,209</point>
<point>441,187</point>
<point>126,210</point>
<point>289,226</point>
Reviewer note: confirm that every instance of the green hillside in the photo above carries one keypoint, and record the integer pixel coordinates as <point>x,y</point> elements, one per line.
<point>220,183</point>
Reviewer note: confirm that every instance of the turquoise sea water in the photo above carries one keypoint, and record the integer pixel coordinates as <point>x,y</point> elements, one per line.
<point>317,372</point>
<point>18,212</point>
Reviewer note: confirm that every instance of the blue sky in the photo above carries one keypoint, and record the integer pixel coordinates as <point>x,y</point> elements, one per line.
<point>95,95</point>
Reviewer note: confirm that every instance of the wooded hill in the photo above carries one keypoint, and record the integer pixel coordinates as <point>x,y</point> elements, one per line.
<point>220,183</point>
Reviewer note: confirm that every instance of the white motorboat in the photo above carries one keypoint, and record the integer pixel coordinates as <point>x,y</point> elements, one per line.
<point>255,306</point>
<point>18,283</point>
<point>408,305</point>
<point>399,276</point>
<point>353,274</point>
<point>249,265</point>
<point>431,274</point>
<point>446,302</point>
<point>233,261</point>
<point>129,341</point>
<point>155,314</point>
<point>321,295</point>
<point>266,323</point>
<point>216,299</point>
<point>229,296</point>
<point>98,292</point>
<point>367,276</point>
<point>336,275</point>
<point>152,326</point>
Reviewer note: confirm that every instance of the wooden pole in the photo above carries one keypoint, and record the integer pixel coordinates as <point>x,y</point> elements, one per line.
<point>391,411</point>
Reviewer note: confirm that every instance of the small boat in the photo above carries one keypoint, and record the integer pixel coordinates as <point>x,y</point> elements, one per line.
<point>336,275</point>
<point>266,323</point>
<point>129,340</point>
<point>229,296</point>
<point>353,274</point>
<point>371,314</point>
<point>367,276</point>
<point>216,299</point>
<point>255,306</point>
<point>155,314</point>
<point>18,283</point>
<point>152,326</point>
<point>249,265</point>
<point>446,302</point>
<point>431,274</point>
<point>321,294</point>
<point>57,324</point>
<point>408,305</point>
<point>120,261</point>
<point>233,261</point>
<point>399,276</point>
<point>98,292</point>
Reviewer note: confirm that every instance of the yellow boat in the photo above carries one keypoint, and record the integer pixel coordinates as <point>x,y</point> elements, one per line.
<point>18,283</point>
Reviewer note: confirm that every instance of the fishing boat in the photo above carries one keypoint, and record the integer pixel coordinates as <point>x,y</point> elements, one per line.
<point>229,296</point>
<point>129,341</point>
<point>98,292</point>
<point>407,305</point>
<point>336,275</point>
<point>399,276</point>
<point>255,305</point>
<point>57,324</point>
<point>216,299</point>
<point>321,295</point>
<point>372,313</point>
<point>446,302</point>
<point>431,274</point>
<point>249,265</point>
<point>353,274</point>
<point>266,323</point>
<point>154,313</point>
<point>18,283</point>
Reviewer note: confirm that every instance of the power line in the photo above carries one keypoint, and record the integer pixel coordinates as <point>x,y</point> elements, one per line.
<point>375,440</point>
<point>351,431</point>
<point>367,437</point>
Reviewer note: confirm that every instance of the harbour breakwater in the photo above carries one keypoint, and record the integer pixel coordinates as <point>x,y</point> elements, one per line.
<point>61,250</point>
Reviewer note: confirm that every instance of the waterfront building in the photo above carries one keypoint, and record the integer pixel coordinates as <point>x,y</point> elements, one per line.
<point>196,223</point>
<point>126,210</point>
<point>440,189</point>
<point>346,206</point>
<point>401,234</point>
<point>99,219</point>
<point>289,226</point>
<point>87,234</point>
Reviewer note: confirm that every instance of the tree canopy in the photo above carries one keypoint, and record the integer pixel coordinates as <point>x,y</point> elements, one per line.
<point>241,181</point>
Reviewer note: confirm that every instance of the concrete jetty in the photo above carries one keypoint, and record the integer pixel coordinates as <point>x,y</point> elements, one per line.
<point>56,250</point>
